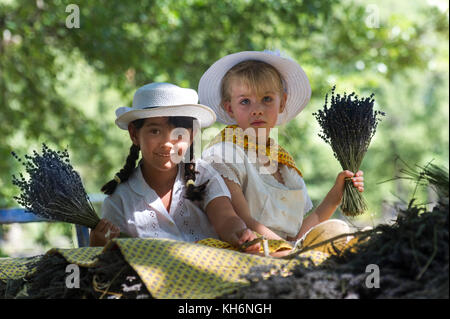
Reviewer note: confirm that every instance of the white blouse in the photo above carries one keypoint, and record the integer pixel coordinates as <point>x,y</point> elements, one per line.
<point>139,212</point>
<point>280,207</point>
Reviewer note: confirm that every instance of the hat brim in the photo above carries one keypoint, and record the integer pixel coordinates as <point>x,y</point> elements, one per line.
<point>202,113</point>
<point>297,84</point>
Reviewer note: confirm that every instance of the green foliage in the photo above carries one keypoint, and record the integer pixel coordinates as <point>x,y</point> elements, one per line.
<point>61,86</point>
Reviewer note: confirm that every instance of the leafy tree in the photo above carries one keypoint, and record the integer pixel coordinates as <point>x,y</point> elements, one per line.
<point>61,85</point>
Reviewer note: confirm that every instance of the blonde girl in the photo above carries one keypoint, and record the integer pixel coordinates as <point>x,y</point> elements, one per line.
<point>252,92</point>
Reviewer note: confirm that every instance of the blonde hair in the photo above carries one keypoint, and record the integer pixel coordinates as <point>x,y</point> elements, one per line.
<point>258,76</point>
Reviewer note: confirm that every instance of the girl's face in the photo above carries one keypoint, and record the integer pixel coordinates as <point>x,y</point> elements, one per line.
<point>162,147</point>
<point>252,110</point>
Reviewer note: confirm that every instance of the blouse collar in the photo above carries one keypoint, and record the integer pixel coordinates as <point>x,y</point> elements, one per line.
<point>140,187</point>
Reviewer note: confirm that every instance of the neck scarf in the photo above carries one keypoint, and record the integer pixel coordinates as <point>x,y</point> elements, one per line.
<point>274,152</point>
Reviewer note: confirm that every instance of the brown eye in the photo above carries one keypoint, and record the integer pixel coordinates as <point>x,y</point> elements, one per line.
<point>155,131</point>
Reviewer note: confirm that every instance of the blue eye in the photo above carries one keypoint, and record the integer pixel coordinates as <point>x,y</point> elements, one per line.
<point>267,99</point>
<point>245,101</point>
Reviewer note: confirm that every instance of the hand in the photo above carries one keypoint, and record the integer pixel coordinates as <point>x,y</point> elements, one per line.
<point>103,232</point>
<point>357,179</point>
<point>247,235</point>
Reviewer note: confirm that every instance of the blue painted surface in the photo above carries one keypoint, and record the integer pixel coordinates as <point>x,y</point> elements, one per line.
<point>82,236</point>
<point>20,215</point>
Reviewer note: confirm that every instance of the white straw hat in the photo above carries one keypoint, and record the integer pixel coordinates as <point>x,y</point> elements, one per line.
<point>295,79</point>
<point>164,99</point>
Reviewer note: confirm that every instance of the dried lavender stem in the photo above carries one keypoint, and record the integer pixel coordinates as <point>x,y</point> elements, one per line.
<point>348,125</point>
<point>54,189</point>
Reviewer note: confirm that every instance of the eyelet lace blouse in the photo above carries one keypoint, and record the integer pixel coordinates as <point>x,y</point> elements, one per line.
<point>279,206</point>
<point>138,211</point>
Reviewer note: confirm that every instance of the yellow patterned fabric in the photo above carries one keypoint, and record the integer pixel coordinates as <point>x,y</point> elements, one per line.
<point>175,269</point>
<point>16,268</point>
<point>273,151</point>
<point>274,245</point>
<point>83,256</point>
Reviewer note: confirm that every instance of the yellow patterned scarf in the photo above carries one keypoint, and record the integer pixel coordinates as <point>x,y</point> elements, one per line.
<point>280,155</point>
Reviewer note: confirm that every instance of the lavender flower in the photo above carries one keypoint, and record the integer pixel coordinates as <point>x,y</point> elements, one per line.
<point>54,190</point>
<point>348,125</point>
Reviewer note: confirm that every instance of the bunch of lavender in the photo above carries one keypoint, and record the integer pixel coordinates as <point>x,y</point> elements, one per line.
<point>54,189</point>
<point>348,126</point>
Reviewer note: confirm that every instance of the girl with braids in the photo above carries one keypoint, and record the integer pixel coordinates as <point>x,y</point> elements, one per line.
<point>159,196</point>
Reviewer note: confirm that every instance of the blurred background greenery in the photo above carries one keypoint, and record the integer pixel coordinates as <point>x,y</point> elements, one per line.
<point>61,85</point>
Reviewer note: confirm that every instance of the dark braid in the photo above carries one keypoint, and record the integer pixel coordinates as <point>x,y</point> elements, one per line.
<point>130,164</point>
<point>193,193</point>
<point>124,173</point>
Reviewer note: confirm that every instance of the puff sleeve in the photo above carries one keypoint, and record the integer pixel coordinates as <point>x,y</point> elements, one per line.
<point>228,160</point>
<point>216,186</point>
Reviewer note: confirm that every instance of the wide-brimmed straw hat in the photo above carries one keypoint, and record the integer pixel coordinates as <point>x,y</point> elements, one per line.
<point>164,99</point>
<point>296,83</point>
